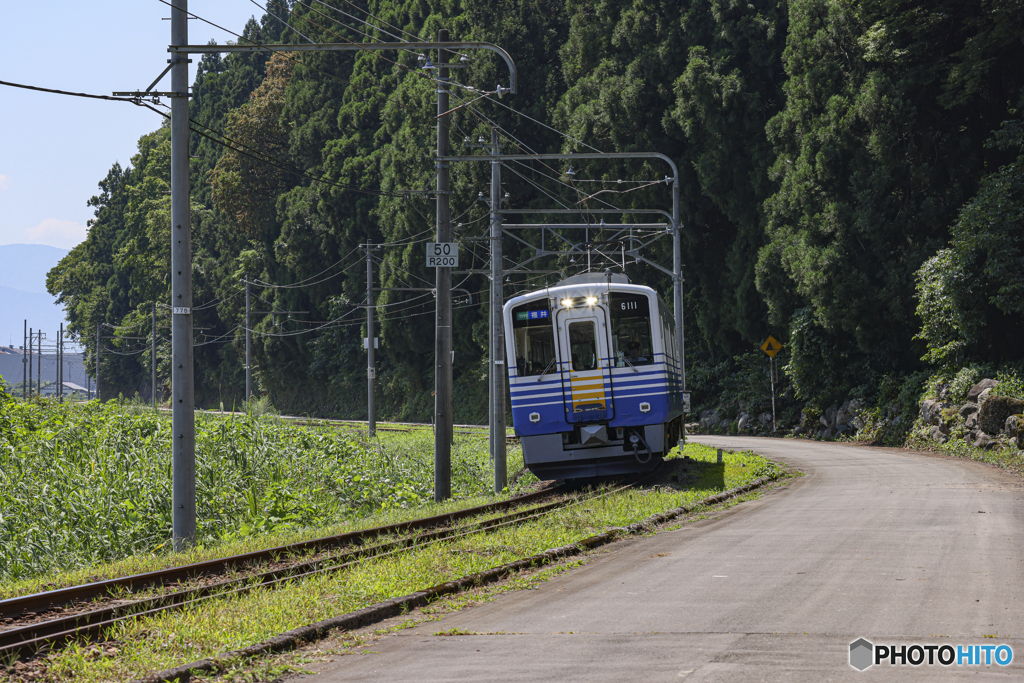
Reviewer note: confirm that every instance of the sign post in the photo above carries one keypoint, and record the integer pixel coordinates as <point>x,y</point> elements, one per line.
<point>772,346</point>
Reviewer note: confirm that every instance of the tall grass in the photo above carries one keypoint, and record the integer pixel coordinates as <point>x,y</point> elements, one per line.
<point>88,483</point>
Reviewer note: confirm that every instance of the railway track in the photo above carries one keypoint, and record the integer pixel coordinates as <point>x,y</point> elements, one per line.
<point>480,430</point>
<point>29,635</point>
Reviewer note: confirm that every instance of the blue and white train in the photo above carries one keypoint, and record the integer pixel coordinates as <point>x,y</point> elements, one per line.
<point>594,377</point>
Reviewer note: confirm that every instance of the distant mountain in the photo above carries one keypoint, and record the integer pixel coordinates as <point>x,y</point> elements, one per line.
<point>24,266</point>
<point>23,294</point>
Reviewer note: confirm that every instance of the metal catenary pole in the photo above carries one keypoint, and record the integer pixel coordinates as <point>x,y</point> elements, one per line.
<point>31,342</point>
<point>371,367</point>
<point>183,399</point>
<point>98,362</point>
<point>152,357</point>
<point>182,396</point>
<point>677,281</point>
<point>248,342</point>
<point>677,265</point>
<point>443,401</point>
<point>60,364</point>
<point>24,362</point>
<point>39,362</point>
<point>497,340</point>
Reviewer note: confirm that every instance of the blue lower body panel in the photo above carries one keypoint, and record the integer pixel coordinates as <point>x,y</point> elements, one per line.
<point>549,458</point>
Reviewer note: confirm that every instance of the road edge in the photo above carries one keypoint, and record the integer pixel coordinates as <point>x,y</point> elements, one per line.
<point>393,607</point>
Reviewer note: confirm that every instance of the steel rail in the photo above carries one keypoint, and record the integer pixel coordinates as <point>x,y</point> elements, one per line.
<point>31,638</point>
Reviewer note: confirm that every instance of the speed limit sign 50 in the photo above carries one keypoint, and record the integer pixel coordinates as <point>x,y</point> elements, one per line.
<point>442,254</point>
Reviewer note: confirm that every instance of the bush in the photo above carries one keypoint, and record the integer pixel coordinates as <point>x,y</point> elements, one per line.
<point>86,483</point>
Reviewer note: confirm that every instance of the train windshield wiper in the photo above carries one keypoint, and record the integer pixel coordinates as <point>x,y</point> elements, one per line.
<point>546,368</point>
<point>626,361</point>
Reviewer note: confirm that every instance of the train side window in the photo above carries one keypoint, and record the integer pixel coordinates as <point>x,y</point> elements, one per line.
<point>631,329</point>
<point>534,339</point>
<point>583,345</point>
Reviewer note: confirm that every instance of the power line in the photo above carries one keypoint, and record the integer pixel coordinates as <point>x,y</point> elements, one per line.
<point>283,21</point>
<point>340,23</point>
<point>66,92</point>
<point>351,4</point>
<point>303,283</point>
<point>270,160</point>
<point>551,128</point>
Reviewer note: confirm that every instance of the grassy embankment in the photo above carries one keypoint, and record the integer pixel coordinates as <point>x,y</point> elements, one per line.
<point>85,489</point>
<point>220,626</point>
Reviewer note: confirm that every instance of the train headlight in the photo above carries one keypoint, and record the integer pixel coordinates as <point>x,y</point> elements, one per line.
<point>567,303</point>
<point>591,300</point>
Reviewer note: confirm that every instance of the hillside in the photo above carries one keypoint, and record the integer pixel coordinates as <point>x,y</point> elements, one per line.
<point>851,184</point>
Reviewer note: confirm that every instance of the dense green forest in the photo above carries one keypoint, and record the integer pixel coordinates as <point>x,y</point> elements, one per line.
<point>852,183</point>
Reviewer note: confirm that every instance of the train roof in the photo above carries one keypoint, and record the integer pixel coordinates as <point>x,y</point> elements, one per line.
<point>586,283</point>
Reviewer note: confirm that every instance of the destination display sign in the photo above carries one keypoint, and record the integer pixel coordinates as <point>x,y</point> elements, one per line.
<point>531,315</point>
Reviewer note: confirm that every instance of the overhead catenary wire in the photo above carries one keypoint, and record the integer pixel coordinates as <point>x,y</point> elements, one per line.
<point>389,25</point>
<point>307,282</point>
<point>526,149</point>
<point>283,21</point>
<point>265,158</point>
<point>551,128</point>
<point>54,91</point>
<point>237,289</point>
<point>269,48</point>
<point>341,23</point>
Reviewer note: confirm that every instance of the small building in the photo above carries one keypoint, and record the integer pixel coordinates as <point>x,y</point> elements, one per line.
<point>69,389</point>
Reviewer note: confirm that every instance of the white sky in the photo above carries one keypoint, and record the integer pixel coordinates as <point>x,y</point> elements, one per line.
<point>54,149</point>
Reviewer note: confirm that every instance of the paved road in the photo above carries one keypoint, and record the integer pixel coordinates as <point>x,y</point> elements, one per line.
<point>894,547</point>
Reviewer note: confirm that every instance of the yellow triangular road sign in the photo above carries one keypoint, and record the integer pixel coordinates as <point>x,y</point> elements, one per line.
<point>771,346</point>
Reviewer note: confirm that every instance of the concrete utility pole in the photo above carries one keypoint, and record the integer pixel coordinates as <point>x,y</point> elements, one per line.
<point>24,362</point>
<point>181,284</point>
<point>152,356</point>
<point>444,406</point>
<point>371,368</point>
<point>183,399</point>
<point>248,342</point>
<point>497,340</point>
<point>98,361</point>
<point>39,362</point>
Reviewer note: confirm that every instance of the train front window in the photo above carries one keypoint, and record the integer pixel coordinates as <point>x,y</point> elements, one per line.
<point>631,329</point>
<point>534,339</point>
<point>583,345</point>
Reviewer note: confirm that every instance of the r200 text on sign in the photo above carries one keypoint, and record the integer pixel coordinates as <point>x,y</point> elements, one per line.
<point>442,254</point>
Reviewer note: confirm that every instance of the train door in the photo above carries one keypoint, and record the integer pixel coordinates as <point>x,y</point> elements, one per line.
<point>584,349</point>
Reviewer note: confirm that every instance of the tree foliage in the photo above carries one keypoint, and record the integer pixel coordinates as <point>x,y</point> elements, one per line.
<point>971,294</point>
<point>836,188</point>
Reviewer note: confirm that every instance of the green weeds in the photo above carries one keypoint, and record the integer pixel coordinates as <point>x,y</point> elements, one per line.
<point>219,626</point>
<point>87,484</point>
